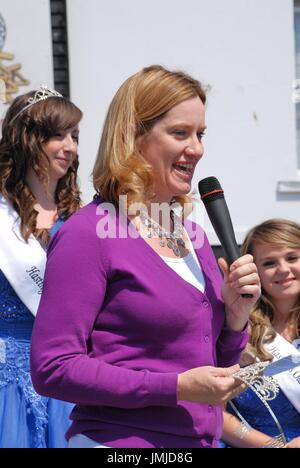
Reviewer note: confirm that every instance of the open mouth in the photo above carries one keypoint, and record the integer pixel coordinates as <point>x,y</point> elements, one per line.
<point>184,168</point>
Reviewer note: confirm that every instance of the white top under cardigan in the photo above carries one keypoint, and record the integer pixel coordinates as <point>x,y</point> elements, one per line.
<point>188,268</point>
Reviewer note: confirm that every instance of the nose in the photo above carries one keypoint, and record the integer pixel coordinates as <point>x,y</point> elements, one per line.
<point>70,144</point>
<point>195,148</point>
<point>283,267</point>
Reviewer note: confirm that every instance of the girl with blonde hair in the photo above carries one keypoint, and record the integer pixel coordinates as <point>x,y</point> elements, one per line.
<point>274,332</point>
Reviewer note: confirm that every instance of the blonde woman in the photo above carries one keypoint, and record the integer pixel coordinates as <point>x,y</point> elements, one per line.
<point>274,333</point>
<point>136,302</point>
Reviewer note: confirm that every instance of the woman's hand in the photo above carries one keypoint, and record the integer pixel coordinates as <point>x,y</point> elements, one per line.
<point>210,385</point>
<point>240,278</point>
<point>294,443</point>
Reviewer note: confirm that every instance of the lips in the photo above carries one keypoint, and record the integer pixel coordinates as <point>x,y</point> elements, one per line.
<point>184,165</point>
<point>64,161</point>
<point>285,281</point>
<point>184,169</point>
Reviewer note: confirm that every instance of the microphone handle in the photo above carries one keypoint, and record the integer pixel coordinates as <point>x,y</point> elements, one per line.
<point>219,216</point>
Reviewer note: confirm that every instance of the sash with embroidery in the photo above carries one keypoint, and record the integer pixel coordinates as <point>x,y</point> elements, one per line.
<point>288,381</point>
<point>22,263</point>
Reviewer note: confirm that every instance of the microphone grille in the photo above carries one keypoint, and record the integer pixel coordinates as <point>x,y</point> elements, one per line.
<point>210,189</point>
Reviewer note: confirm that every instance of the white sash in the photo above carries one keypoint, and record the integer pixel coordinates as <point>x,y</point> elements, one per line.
<point>288,381</point>
<point>22,263</point>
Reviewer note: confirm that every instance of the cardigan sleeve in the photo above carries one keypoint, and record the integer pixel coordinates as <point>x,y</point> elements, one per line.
<point>73,293</point>
<point>230,346</point>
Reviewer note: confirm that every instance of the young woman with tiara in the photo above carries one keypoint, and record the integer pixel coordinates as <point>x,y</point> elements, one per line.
<point>38,192</point>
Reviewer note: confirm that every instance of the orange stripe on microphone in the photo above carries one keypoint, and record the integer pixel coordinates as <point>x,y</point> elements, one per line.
<point>211,193</point>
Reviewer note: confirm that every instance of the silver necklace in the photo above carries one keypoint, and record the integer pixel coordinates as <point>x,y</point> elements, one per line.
<point>173,240</point>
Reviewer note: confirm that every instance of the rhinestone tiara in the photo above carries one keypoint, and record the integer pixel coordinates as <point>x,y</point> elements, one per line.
<point>40,95</point>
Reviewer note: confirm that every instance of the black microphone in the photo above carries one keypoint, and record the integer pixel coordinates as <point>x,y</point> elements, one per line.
<point>213,198</point>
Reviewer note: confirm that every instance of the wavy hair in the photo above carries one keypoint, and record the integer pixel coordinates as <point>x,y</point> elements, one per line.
<point>21,148</point>
<point>280,233</point>
<point>140,102</point>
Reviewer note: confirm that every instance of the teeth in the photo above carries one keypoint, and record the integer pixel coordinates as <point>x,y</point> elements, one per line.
<point>185,167</point>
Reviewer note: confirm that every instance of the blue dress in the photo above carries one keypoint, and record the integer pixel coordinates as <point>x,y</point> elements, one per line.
<point>255,413</point>
<point>27,420</point>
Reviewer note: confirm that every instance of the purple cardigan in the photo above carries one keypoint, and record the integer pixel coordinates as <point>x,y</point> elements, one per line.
<point>114,328</point>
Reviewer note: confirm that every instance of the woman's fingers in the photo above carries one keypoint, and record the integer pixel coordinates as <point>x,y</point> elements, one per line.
<point>224,267</point>
<point>241,261</point>
<point>253,278</point>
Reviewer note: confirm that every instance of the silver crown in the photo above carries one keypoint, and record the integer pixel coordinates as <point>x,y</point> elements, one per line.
<point>41,94</point>
<point>266,389</point>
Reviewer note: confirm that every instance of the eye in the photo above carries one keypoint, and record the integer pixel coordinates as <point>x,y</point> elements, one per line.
<point>293,258</point>
<point>179,132</point>
<point>268,263</point>
<point>75,138</point>
<point>200,135</point>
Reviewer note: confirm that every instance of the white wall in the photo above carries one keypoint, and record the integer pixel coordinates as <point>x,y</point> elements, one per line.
<point>28,37</point>
<point>244,49</point>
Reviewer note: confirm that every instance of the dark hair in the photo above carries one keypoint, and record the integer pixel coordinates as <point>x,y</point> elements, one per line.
<point>21,148</point>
